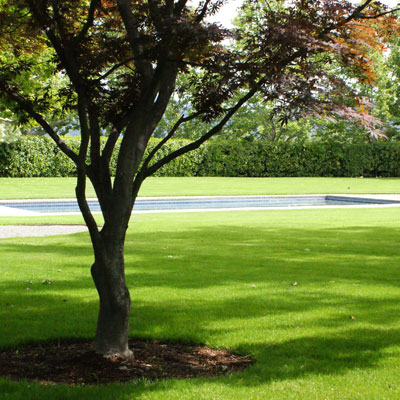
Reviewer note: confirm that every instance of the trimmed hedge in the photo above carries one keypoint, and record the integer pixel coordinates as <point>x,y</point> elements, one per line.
<point>40,157</point>
<point>262,159</point>
<point>33,156</point>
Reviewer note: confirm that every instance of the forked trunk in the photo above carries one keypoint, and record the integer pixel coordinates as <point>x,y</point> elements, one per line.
<point>113,320</point>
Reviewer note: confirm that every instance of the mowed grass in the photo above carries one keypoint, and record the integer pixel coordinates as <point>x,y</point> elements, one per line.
<point>226,279</point>
<point>37,188</point>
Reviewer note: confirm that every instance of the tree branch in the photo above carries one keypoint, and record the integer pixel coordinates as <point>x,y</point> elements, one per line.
<point>217,128</point>
<point>110,144</point>
<point>379,15</point>
<point>170,6</point>
<point>114,68</point>
<point>80,192</point>
<point>164,86</point>
<point>65,55</point>
<point>170,134</point>
<point>85,130</point>
<point>89,21</point>
<point>155,13</point>
<point>357,13</point>
<point>95,134</point>
<point>131,26</point>
<point>360,8</point>
<point>28,108</point>
<point>58,20</point>
<point>354,15</point>
<point>196,144</point>
<point>203,12</point>
<point>180,5</point>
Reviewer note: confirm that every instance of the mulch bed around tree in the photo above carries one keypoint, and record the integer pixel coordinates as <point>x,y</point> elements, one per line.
<point>77,364</point>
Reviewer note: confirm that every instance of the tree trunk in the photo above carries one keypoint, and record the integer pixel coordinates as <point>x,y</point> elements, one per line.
<point>113,320</point>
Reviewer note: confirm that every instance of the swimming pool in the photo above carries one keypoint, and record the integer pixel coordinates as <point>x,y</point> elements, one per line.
<point>69,206</point>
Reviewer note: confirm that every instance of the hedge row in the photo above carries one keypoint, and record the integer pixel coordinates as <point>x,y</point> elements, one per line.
<point>40,157</point>
<point>262,159</point>
<point>29,157</point>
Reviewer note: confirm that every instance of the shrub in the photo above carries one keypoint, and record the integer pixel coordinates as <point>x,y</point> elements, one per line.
<point>262,159</point>
<point>39,156</point>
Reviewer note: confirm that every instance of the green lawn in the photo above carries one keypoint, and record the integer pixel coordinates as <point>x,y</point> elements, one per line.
<point>36,188</point>
<point>191,277</point>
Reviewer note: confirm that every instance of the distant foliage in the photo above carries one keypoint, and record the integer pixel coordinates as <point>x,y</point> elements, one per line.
<point>29,157</point>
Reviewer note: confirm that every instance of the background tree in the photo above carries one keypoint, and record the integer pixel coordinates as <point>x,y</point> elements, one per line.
<point>122,60</point>
<point>385,94</point>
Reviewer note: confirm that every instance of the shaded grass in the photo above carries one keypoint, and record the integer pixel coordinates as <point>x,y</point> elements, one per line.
<point>225,279</point>
<point>38,188</point>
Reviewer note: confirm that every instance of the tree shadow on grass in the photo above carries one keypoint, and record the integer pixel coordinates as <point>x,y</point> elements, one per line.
<point>192,319</point>
<point>227,261</point>
<point>343,348</point>
<point>240,259</point>
<point>338,353</point>
<point>298,358</point>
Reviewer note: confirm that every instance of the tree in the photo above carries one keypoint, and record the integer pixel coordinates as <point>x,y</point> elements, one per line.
<point>122,59</point>
<point>385,96</point>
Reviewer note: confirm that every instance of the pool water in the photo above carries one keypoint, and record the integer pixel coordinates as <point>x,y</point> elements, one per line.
<point>198,203</point>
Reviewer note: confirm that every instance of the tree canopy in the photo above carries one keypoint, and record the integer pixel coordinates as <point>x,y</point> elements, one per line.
<point>263,117</point>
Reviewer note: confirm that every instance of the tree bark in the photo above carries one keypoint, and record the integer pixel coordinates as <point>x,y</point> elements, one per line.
<point>108,272</point>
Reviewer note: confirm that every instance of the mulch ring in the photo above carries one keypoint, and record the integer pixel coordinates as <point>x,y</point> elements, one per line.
<point>77,363</point>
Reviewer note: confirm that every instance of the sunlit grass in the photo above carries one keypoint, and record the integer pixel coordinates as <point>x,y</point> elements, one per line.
<point>226,279</point>
<point>37,188</point>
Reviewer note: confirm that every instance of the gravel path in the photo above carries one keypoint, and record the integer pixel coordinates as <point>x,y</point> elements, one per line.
<point>8,231</point>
